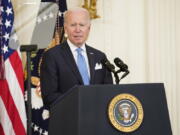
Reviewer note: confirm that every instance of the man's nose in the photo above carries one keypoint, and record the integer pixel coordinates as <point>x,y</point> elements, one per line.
<point>78,28</point>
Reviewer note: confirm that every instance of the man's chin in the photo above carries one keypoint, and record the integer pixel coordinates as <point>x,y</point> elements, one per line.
<point>79,43</point>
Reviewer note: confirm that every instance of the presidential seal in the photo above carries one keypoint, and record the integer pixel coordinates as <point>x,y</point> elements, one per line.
<point>125,112</point>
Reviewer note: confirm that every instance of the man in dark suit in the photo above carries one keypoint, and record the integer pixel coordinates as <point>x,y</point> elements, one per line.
<point>60,70</point>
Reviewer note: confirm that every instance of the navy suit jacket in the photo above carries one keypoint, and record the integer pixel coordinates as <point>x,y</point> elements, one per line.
<point>59,71</point>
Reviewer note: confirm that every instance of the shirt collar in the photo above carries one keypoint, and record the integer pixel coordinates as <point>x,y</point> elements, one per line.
<point>73,47</point>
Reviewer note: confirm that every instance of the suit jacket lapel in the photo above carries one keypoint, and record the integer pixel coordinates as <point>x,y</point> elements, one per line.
<point>91,59</point>
<point>69,59</point>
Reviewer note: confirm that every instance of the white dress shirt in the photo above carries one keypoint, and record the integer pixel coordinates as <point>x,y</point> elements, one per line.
<point>84,53</point>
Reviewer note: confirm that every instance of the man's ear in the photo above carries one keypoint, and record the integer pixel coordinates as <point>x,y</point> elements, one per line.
<point>65,31</point>
<point>65,35</point>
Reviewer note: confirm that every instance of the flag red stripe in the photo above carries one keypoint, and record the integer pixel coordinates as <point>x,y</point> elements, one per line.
<point>1,67</point>
<point>11,109</point>
<point>17,66</point>
<point>1,130</point>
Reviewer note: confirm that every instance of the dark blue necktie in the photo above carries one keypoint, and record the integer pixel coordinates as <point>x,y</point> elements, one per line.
<point>82,66</point>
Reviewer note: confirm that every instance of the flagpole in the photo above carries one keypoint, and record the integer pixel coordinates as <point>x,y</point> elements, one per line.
<point>29,49</point>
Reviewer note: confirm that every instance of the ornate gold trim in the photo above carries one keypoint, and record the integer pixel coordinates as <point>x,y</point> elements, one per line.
<point>91,7</point>
<point>111,112</point>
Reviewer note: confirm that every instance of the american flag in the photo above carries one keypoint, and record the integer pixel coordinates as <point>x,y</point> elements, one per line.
<point>12,106</point>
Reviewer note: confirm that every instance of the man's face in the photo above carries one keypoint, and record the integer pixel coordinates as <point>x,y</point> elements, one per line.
<point>77,27</point>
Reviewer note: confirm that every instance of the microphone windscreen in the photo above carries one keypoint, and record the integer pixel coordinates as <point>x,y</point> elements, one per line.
<point>118,61</point>
<point>120,64</point>
<point>108,65</point>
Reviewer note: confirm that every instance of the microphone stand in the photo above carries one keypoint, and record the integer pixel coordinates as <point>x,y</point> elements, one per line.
<point>117,80</point>
<point>29,49</point>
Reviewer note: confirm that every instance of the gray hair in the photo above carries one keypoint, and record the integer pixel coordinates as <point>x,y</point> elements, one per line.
<point>75,9</point>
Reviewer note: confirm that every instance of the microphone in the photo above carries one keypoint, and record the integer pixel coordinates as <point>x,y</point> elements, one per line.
<point>111,68</point>
<point>119,63</point>
<point>123,67</point>
<point>108,65</point>
<point>125,74</point>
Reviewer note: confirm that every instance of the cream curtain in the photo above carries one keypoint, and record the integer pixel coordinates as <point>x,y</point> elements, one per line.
<point>25,18</point>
